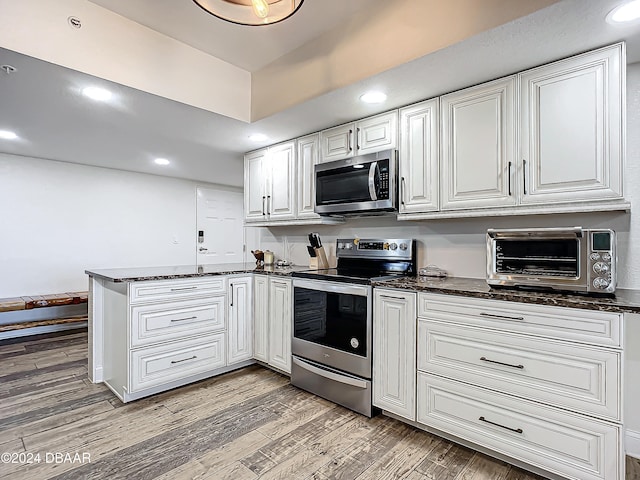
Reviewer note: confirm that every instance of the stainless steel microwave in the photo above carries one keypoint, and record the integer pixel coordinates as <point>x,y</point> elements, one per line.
<point>366,184</point>
<point>568,259</point>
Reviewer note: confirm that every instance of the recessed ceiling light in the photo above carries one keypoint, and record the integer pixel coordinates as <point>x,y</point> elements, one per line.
<point>162,161</point>
<point>97,93</point>
<point>8,135</point>
<point>627,12</point>
<point>373,97</point>
<point>258,137</point>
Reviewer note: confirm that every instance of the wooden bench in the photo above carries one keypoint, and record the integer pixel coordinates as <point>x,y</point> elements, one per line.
<point>42,301</point>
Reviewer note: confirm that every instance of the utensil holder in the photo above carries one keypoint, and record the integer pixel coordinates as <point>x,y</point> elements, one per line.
<point>313,263</point>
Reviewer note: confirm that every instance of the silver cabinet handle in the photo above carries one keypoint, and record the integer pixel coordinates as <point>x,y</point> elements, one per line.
<point>268,204</point>
<point>372,182</point>
<point>184,359</point>
<point>183,319</point>
<point>357,138</point>
<point>509,177</point>
<point>231,305</point>
<point>524,176</point>
<point>349,140</point>
<point>402,187</point>
<point>484,359</point>
<point>183,288</point>
<point>263,199</point>
<point>517,430</point>
<point>501,317</point>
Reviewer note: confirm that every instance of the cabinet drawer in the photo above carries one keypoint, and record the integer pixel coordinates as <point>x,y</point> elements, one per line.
<point>160,364</point>
<point>566,444</point>
<point>160,322</point>
<point>585,326</point>
<point>163,290</point>
<point>575,377</point>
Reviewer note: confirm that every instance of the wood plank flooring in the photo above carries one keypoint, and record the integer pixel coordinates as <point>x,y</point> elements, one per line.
<point>247,424</point>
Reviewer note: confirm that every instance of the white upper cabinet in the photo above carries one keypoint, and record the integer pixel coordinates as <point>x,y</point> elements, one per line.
<point>418,178</point>
<point>254,185</point>
<point>571,128</point>
<point>479,146</point>
<point>269,183</point>
<point>370,135</point>
<point>307,150</point>
<point>281,194</point>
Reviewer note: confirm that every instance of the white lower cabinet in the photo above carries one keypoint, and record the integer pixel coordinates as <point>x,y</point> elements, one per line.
<point>239,331</point>
<point>162,334</point>
<point>272,321</point>
<point>394,352</point>
<point>538,384</point>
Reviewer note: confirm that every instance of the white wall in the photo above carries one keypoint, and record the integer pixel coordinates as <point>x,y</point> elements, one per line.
<point>458,246</point>
<point>58,219</point>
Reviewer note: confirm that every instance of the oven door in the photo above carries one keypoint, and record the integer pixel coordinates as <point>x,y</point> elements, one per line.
<point>332,324</point>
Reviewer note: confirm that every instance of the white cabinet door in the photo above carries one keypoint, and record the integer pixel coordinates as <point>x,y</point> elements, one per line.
<point>282,186</point>
<point>377,133</point>
<point>280,318</point>
<point>478,146</point>
<point>261,318</point>
<point>254,185</point>
<point>239,334</point>
<point>307,158</point>
<point>419,157</point>
<point>337,143</point>
<point>572,128</point>
<point>394,344</point>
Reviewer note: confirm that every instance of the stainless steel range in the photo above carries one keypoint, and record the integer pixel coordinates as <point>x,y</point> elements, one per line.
<point>332,324</point>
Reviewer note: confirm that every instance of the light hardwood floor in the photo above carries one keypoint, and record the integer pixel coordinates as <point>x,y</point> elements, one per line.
<point>246,424</point>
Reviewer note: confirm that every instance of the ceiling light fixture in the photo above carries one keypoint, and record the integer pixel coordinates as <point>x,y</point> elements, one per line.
<point>97,93</point>
<point>373,97</point>
<point>162,161</point>
<point>258,137</point>
<point>625,13</point>
<point>8,135</point>
<point>250,12</point>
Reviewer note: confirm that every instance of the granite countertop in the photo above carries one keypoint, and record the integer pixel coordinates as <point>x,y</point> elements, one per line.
<point>141,274</point>
<point>625,301</point>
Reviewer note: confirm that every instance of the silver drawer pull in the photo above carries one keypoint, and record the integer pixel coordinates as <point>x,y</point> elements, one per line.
<point>517,430</point>
<point>184,359</point>
<point>391,298</point>
<point>183,319</point>
<point>502,317</point>
<point>484,359</point>
<point>183,288</point>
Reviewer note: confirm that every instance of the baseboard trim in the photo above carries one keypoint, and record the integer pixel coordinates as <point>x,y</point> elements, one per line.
<point>632,443</point>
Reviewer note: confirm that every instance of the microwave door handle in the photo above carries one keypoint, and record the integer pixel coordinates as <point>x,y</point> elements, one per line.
<point>372,182</point>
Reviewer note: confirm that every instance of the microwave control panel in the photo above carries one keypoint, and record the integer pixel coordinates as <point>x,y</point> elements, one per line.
<point>383,189</point>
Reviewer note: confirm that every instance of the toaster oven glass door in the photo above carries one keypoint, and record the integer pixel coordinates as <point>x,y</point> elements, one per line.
<point>538,257</point>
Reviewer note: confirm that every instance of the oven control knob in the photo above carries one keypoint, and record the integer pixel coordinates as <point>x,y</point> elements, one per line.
<point>403,246</point>
<point>600,267</point>
<point>393,246</point>
<point>600,283</point>
<point>606,257</point>
<point>594,256</point>
<point>354,342</point>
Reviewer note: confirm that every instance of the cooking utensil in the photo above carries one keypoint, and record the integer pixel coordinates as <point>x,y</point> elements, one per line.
<point>312,251</point>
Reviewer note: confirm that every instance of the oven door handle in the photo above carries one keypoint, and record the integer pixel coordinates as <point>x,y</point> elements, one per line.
<point>372,180</point>
<point>341,378</point>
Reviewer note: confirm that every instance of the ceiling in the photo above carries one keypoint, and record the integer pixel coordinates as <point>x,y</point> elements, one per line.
<point>41,101</point>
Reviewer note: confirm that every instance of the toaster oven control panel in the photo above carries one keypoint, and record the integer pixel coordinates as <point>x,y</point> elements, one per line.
<point>601,258</point>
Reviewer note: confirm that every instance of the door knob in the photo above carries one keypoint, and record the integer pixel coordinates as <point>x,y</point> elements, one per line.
<point>202,249</point>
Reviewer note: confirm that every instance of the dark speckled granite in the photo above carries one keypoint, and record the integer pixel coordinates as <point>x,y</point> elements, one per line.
<point>625,301</point>
<point>141,274</point>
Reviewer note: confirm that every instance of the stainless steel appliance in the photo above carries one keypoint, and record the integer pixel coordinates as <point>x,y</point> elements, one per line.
<point>360,185</point>
<point>332,319</point>
<point>567,259</point>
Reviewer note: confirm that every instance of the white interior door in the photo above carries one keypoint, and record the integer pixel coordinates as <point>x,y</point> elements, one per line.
<point>220,235</point>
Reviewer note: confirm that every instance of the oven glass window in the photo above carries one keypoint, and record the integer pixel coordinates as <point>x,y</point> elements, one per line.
<point>543,257</point>
<point>335,320</point>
